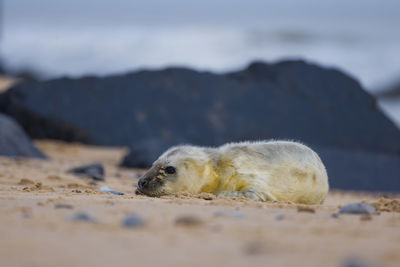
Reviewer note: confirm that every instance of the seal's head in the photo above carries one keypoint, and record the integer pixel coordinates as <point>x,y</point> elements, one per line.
<point>179,169</point>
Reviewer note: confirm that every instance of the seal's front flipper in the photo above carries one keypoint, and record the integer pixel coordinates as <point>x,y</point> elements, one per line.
<point>246,194</point>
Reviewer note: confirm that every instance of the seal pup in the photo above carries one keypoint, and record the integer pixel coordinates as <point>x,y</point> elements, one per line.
<point>264,170</point>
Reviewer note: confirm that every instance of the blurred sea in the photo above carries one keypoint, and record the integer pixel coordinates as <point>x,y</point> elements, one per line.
<point>76,38</point>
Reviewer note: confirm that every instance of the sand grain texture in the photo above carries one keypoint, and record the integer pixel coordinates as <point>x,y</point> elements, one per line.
<point>36,233</point>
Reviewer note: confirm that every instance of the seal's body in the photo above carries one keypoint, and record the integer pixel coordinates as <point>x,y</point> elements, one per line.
<point>266,170</point>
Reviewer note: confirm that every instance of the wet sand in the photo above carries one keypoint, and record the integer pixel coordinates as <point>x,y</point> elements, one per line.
<point>179,230</point>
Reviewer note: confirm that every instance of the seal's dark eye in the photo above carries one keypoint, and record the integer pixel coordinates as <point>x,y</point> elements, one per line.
<point>170,170</point>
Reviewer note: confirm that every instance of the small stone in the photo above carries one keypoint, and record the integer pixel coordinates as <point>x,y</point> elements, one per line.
<point>335,215</point>
<point>357,208</point>
<point>106,189</point>
<point>365,217</point>
<point>81,216</point>
<point>92,183</point>
<point>355,262</point>
<point>133,221</point>
<point>280,217</point>
<point>305,209</point>
<point>63,206</point>
<point>218,214</point>
<point>238,213</point>
<point>254,248</point>
<point>25,215</point>
<point>188,220</point>
<point>94,171</point>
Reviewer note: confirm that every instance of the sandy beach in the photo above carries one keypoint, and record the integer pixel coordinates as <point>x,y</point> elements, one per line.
<point>39,199</point>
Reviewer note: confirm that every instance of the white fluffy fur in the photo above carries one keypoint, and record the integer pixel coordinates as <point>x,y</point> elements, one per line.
<point>265,170</point>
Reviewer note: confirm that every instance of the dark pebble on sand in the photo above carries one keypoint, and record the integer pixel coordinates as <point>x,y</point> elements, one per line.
<point>305,209</point>
<point>133,221</point>
<point>81,216</point>
<point>218,214</point>
<point>94,171</point>
<point>238,214</point>
<point>280,217</point>
<point>254,248</point>
<point>355,262</point>
<point>63,206</point>
<point>357,208</point>
<point>188,220</point>
<point>235,213</point>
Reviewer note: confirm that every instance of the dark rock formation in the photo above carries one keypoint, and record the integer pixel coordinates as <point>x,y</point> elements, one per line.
<point>358,170</point>
<point>392,91</point>
<point>151,110</point>
<point>14,142</point>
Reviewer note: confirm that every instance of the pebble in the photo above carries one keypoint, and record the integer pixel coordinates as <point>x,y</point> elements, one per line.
<point>355,262</point>
<point>63,206</point>
<point>218,214</point>
<point>254,248</point>
<point>133,221</point>
<point>280,217</point>
<point>235,213</point>
<point>188,220</point>
<point>238,213</point>
<point>94,171</point>
<point>106,189</point>
<point>81,216</point>
<point>357,208</point>
<point>305,209</point>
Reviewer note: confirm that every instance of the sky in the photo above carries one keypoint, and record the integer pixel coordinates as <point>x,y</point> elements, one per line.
<point>85,37</point>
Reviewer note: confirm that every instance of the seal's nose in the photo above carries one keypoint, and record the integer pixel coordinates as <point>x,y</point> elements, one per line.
<point>142,183</point>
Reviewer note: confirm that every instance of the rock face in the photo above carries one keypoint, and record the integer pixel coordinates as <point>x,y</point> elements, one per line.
<point>14,142</point>
<point>151,110</point>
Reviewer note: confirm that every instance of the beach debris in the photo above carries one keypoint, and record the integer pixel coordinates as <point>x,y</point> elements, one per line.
<point>133,221</point>
<point>107,189</point>
<point>82,216</point>
<point>94,171</point>
<point>188,221</point>
<point>63,206</point>
<point>357,208</point>
<point>305,209</point>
